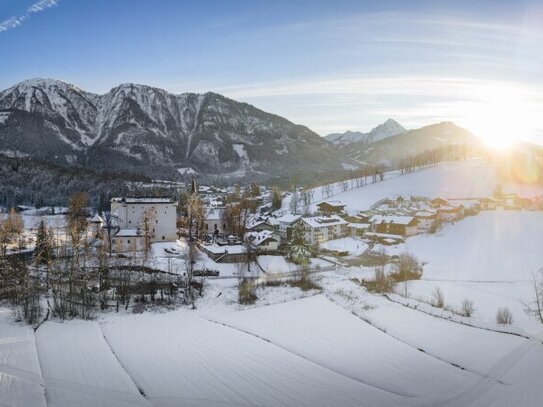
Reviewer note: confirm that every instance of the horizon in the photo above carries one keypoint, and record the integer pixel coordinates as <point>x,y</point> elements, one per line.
<point>331,69</point>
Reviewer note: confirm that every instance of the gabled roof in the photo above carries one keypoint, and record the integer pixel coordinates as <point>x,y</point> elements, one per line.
<point>258,238</point>
<point>289,218</point>
<point>335,204</point>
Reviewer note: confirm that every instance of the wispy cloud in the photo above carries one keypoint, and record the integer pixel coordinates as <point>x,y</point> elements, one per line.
<point>16,21</point>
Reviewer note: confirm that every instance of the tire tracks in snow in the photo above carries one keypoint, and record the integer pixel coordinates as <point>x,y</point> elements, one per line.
<point>306,358</point>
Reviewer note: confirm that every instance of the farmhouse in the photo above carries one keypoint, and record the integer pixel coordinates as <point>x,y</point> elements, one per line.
<point>127,214</point>
<point>322,228</point>
<point>331,207</point>
<point>394,225</point>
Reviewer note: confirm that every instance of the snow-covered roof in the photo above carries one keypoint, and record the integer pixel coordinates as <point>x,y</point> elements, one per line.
<point>144,200</point>
<point>232,249</point>
<point>289,218</point>
<point>257,238</point>
<point>128,233</point>
<point>425,214</point>
<point>96,219</point>
<point>398,220</point>
<point>214,214</point>
<point>324,221</point>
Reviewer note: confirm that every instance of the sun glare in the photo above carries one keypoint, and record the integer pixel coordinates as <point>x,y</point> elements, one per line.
<point>501,117</point>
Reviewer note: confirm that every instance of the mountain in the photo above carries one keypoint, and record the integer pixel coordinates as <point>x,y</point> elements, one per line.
<point>393,149</point>
<point>387,129</point>
<point>145,130</point>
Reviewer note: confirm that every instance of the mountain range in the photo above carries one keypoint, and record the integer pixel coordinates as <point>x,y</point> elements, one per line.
<point>387,129</point>
<point>140,129</point>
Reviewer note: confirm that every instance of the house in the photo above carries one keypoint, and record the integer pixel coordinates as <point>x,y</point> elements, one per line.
<point>319,229</point>
<point>259,225</point>
<point>357,229</point>
<point>128,213</point>
<point>437,202</point>
<point>331,207</point>
<point>425,220</point>
<point>450,212</point>
<point>285,225</point>
<point>214,220</point>
<point>394,225</point>
<point>263,241</point>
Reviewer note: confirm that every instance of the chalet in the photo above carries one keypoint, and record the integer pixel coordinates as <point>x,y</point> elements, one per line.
<point>425,220</point>
<point>127,214</point>
<point>263,241</point>
<point>322,228</point>
<point>450,212</point>
<point>394,225</point>
<point>331,207</point>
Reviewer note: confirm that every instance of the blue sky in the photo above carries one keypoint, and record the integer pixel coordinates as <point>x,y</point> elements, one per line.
<point>329,65</point>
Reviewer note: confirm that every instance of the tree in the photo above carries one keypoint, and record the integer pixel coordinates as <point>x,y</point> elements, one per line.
<point>294,201</point>
<point>438,299</point>
<point>190,257</point>
<point>466,308</point>
<point>535,307</point>
<point>276,198</point>
<point>147,226</point>
<point>297,250</point>
<point>195,217</point>
<point>254,189</point>
<point>43,244</point>
<point>406,268</point>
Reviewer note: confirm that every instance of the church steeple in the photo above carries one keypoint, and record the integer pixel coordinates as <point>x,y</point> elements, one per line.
<point>193,187</point>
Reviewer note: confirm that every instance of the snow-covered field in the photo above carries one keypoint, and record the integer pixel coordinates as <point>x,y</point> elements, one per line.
<point>488,258</point>
<point>355,246</point>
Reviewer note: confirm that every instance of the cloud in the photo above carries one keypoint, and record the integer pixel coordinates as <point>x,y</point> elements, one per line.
<point>42,5</point>
<point>16,21</point>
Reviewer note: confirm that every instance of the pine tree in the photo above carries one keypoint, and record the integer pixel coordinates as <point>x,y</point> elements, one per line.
<point>43,245</point>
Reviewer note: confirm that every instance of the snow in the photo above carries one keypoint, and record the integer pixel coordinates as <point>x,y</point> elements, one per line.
<point>355,246</point>
<point>21,383</point>
<point>79,368</point>
<point>331,337</point>
<point>240,151</point>
<point>491,246</point>
<point>180,358</point>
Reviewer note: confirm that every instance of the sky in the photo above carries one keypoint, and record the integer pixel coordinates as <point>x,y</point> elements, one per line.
<point>330,65</point>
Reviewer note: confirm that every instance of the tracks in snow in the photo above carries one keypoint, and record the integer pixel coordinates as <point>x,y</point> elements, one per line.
<point>299,355</point>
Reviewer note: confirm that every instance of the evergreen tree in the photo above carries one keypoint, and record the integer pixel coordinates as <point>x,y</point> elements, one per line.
<point>43,245</point>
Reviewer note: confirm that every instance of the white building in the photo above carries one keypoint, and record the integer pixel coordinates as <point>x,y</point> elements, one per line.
<point>322,228</point>
<point>263,241</point>
<point>128,213</point>
<point>214,220</point>
<point>285,223</point>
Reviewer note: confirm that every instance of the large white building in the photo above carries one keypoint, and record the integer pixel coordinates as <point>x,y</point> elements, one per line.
<point>128,213</point>
<point>322,228</point>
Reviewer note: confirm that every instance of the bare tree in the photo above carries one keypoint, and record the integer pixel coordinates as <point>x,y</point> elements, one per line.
<point>147,226</point>
<point>190,258</point>
<point>535,307</point>
<point>466,308</point>
<point>438,298</point>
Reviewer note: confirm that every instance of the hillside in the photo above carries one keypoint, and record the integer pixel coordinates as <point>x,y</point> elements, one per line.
<point>391,150</point>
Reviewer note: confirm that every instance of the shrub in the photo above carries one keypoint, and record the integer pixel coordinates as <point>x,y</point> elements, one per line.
<point>467,309</point>
<point>504,316</point>
<point>406,268</point>
<point>438,299</point>
<point>247,291</point>
<point>305,281</point>
<point>380,284</point>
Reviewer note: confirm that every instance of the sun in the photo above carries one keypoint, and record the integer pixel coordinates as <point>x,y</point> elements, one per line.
<point>501,116</point>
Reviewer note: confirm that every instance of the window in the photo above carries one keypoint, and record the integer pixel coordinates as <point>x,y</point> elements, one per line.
<point>163,238</point>
<point>128,241</point>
